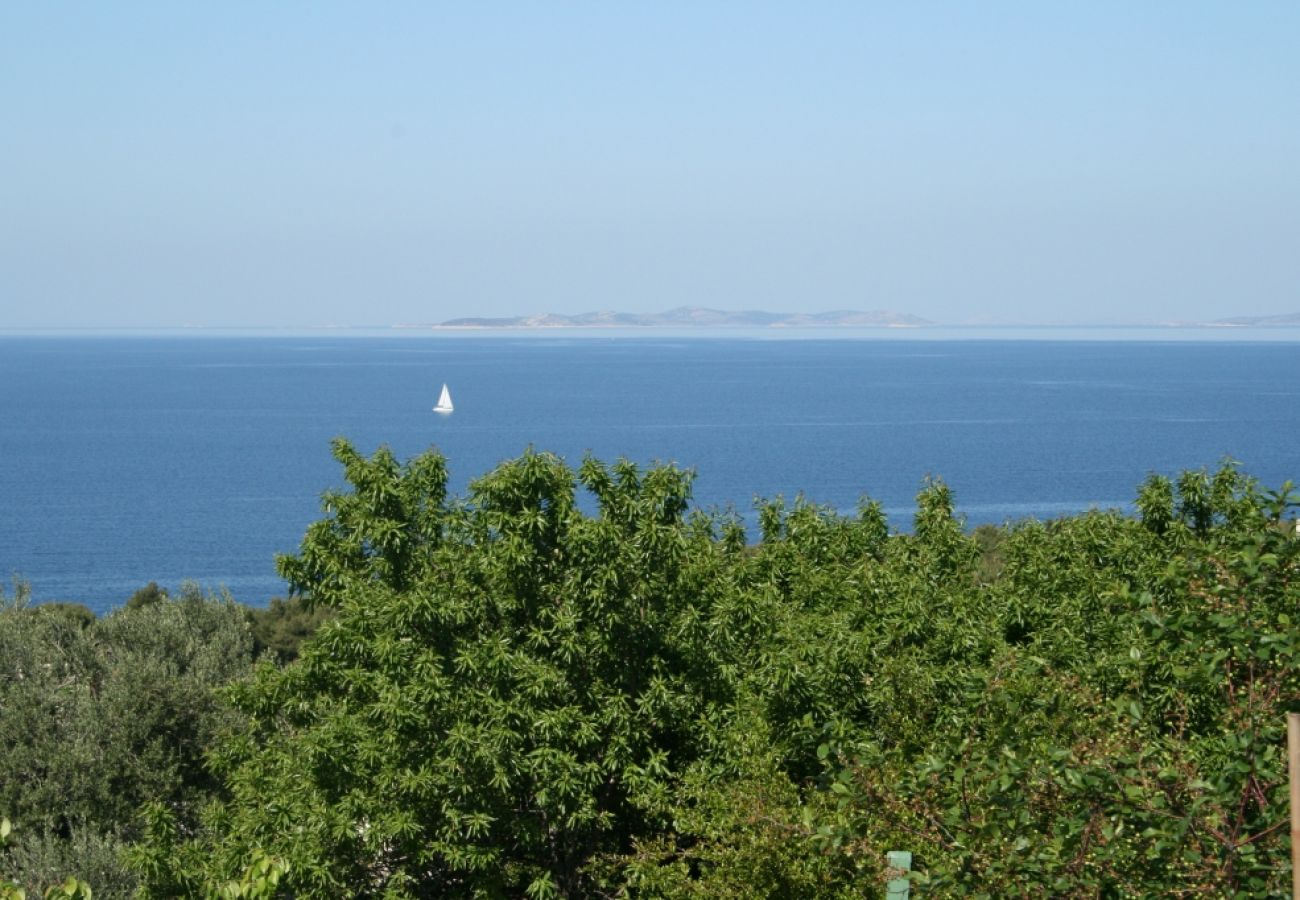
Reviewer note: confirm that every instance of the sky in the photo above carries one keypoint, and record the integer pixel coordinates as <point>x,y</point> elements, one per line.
<point>337,164</point>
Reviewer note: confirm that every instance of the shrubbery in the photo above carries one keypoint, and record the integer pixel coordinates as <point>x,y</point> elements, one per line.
<point>507,694</point>
<point>99,716</point>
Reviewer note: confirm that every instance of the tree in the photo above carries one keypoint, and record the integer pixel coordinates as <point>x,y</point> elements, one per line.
<point>519,696</point>
<point>98,718</point>
<point>283,625</point>
<point>381,533</point>
<point>499,699</point>
<point>147,596</point>
<point>1127,736</point>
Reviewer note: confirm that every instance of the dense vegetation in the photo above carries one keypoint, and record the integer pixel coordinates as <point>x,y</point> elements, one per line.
<point>567,683</point>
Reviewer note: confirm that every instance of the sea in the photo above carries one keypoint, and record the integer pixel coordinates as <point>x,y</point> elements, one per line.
<point>127,458</point>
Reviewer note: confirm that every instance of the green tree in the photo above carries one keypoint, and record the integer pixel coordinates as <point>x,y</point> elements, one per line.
<point>382,532</point>
<point>98,718</point>
<point>1126,739</point>
<point>516,695</point>
<point>283,625</point>
<point>148,595</point>
<point>498,700</point>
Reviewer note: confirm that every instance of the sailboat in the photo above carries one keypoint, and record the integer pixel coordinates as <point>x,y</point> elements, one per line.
<point>444,401</point>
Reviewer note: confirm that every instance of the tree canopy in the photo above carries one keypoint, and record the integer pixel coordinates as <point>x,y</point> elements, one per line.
<point>570,683</point>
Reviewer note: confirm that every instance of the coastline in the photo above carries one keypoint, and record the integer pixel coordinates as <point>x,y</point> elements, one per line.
<point>865,334</point>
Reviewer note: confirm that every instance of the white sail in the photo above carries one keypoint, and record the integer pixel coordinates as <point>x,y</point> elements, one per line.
<point>444,401</point>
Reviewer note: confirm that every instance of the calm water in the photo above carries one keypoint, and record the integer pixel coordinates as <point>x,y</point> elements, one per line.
<point>125,460</point>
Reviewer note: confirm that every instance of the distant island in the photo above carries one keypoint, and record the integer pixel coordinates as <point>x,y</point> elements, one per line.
<point>706,317</point>
<point>692,316</point>
<point>1286,320</point>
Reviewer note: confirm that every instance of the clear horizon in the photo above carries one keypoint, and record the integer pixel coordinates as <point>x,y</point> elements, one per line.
<point>296,166</point>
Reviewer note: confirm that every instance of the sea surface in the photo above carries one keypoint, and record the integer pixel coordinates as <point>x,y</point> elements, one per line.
<point>126,459</point>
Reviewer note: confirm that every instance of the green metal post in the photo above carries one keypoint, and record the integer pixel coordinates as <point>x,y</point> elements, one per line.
<point>899,863</point>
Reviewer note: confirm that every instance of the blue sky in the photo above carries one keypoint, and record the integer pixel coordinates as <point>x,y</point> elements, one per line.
<point>367,164</point>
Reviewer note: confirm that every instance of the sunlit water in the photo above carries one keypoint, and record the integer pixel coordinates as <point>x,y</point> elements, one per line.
<point>130,459</point>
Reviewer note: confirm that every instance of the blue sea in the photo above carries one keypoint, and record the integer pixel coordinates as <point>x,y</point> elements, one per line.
<point>126,459</point>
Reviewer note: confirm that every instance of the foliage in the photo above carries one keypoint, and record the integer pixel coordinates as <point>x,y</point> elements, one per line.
<point>988,539</point>
<point>41,857</point>
<point>1129,738</point>
<point>379,534</point>
<point>485,717</point>
<point>75,613</point>
<point>741,828</point>
<point>283,625</point>
<point>9,890</point>
<point>70,888</point>
<point>567,684</point>
<point>97,718</point>
<point>148,595</point>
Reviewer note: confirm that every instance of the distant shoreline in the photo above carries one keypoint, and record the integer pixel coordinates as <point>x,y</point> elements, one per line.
<point>692,317</point>
<point>621,327</point>
<point>861,333</point>
<point>706,318</point>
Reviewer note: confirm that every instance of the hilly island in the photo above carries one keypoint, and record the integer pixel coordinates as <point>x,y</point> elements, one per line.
<point>692,316</point>
<point>706,317</point>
